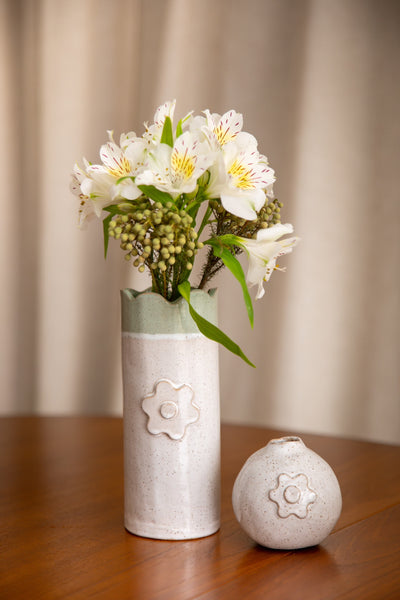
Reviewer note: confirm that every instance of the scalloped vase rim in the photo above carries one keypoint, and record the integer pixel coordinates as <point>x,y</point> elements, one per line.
<point>132,294</point>
<point>150,313</point>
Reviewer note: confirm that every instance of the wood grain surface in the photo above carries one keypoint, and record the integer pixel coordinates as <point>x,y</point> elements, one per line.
<point>62,533</point>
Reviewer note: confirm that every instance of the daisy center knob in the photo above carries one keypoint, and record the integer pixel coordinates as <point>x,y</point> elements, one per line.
<point>292,494</point>
<point>169,409</point>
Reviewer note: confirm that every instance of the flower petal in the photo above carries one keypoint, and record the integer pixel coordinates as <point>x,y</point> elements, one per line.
<point>225,128</point>
<point>115,161</point>
<point>274,232</point>
<point>244,205</point>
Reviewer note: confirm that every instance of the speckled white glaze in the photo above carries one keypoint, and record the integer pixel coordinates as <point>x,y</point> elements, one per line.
<point>171,434</point>
<point>286,496</point>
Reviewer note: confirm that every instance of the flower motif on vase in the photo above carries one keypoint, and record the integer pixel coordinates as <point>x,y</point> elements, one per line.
<point>170,408</point>
<point>292,495</point>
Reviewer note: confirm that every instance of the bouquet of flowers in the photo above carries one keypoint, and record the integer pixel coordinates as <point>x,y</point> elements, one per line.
<point>179,188</point>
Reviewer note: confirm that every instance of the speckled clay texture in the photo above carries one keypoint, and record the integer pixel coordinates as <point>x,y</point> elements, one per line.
<point>286,496</point>
<point>171,418</point>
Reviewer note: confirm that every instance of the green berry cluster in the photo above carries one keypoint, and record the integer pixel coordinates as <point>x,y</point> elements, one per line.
<point>159,237</point>
<point>226,223</point>
<point>269,215</point>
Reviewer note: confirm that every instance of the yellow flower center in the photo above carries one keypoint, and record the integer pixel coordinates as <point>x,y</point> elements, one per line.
<point>243,176</point>
<point>224,135</point>
<point>122,167</point>
<point>182,164</point>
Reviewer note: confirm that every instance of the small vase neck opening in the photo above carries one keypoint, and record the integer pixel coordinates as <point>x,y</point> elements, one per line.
<point>286,439</point>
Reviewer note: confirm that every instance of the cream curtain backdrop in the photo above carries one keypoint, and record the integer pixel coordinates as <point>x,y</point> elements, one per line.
<point>318,84</point>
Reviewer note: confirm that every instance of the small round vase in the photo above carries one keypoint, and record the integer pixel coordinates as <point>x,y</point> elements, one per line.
<point>286,496</point>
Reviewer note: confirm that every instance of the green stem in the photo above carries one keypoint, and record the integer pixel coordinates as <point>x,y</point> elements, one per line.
<point>205,220</point>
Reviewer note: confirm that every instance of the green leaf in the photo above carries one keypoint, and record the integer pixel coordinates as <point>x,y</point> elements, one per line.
<point>232,263</point>
<point>154,194</point>
<point>179,129</point>
<point>208,329</point>
<point>166,136</point>
<point>123,179</point>
<point>228,240</point>
<point>106,223</point>
<point>113,209</point>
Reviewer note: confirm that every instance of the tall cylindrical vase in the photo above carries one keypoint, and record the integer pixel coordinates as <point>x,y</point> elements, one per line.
<point>171,417</point>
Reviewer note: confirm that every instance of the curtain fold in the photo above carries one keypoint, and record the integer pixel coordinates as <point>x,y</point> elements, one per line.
<point>317,82</point>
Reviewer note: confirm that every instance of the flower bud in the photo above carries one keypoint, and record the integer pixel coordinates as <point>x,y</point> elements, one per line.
<point>125,206</point>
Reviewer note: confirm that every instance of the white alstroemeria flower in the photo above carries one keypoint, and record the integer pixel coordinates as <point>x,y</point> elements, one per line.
<point>97,186</point>
<point>121,165</point>
<point>264,251</point>
<point>223,128</point>
<point>176,170</point>
<point>92,185</point>
<point>153,132</point>
<point>86,208</point>
<point>241,177</point>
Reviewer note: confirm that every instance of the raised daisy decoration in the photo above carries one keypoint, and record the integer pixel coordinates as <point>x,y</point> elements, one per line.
<point>292,495</point>
<point>184,185</point>
<point>170,408</point>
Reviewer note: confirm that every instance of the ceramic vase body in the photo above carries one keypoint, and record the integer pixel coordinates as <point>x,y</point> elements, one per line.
<point>286,496</point>
<point>171,417</point>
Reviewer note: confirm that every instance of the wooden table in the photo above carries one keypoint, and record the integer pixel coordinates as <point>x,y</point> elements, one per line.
<point>62,533</point>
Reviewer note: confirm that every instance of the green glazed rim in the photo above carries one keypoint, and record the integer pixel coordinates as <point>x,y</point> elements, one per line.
<point>148,312</point>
